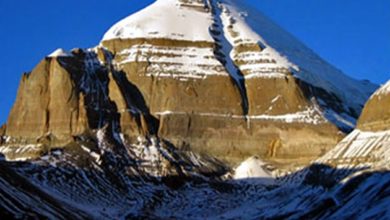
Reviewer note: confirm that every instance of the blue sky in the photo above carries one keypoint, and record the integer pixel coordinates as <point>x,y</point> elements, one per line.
<point>353,35</point>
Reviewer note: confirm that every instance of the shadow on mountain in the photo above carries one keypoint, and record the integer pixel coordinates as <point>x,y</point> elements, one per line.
<point>135,102</point>
<point>21,199</point>
<point>43,190</point>
<point>328,100</point>
<point>364,196</point>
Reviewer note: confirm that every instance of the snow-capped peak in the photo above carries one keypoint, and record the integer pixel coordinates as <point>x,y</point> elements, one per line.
<point>288,51</point>
<point>170,19</point>
<point>164,19</point>
<point>60,53</point>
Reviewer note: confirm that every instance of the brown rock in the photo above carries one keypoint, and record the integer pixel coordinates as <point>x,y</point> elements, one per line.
<point>233,139</point>
<point>376,113</point>
<point>49,102</point>
<point>368,144</point>
<point>181,91</point>
<point>29,116</point>
<point>207,115</point>
<point>275,96</point>
<point>65,97</point>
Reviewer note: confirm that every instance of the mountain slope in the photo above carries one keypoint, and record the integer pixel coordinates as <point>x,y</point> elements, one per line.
<point>232,86</point>
<point>100,176</point>
<point>132,128</point>
<point>368,145</point>
<point>276,80</point>
<point>258,47</point>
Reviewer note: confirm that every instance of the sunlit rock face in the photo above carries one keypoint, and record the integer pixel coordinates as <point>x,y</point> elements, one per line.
<point>368,145</point>
<point>231,86</point>
<point>136,127</point>
<point>376,114</point>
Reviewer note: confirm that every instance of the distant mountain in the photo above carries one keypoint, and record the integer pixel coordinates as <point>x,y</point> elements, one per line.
<point>368,145</point>
<point>158,122</point>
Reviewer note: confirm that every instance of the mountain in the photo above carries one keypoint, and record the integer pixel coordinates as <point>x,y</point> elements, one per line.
<point>194,109</point>
<point>368,144</point>
<point>60,185</point>
<point>231,86</point>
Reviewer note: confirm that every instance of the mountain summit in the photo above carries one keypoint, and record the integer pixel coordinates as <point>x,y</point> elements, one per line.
<point>211,76</point>
<point>194,109</point>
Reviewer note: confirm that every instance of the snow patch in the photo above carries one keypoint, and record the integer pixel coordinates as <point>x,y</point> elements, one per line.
<point>93,154</point>
<point>253,169</point>
<point>309,115</point>
<point>164,19</point>
<point>361,148</point>
<point>241,33</point>
<point>231,26</point>
<point>19,152</point>
<point>174,62</point>
<point>283,51</point>
<point>60,53</point>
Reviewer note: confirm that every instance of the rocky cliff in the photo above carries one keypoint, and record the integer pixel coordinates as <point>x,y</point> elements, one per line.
<point>368,145</point>
<point>376,114</point>
<point>231,86</point>
<point>131,129</point>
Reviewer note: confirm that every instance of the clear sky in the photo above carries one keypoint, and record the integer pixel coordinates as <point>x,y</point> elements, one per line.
<point>353,35</point>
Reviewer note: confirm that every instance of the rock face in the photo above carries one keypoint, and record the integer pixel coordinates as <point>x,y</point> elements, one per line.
<point>376,114</point>
<point>48,102</point>
<point>368,145</point>
<point>69,96</point>
<point>232,86</point>
<point>130,129</point>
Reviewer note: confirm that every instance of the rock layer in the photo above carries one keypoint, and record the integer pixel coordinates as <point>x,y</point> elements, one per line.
<point>48,102</point>
<point>64,97</point>
<point>218,89</point>
<point>368,145</point>
<point>376,114</point>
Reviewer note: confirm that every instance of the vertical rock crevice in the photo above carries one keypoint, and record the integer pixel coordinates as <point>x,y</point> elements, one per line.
<point>223,52</point>
<point>135,104</point>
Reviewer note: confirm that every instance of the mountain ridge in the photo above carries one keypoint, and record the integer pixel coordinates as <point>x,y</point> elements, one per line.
<point>227,92</point>
<point>158,128</point>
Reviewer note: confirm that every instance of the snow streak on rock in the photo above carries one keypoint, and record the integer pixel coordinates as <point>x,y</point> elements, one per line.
<point>248,45</point>
<point>105,172</point>
<point>60,53</point>
<point>224,51</point>
<point>361,148</point>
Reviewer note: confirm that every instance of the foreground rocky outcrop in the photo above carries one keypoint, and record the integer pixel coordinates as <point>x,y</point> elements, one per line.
<point>53,187</point>
<point>109,179</point>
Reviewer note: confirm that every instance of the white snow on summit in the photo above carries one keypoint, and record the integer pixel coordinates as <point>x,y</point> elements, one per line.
<point>167,19</point>
<point>238,32</point>
<point>164,19</point>
<point>252,26</point>
<point>234,24</point>
<point>60,53</point>
<point>361,148</point>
